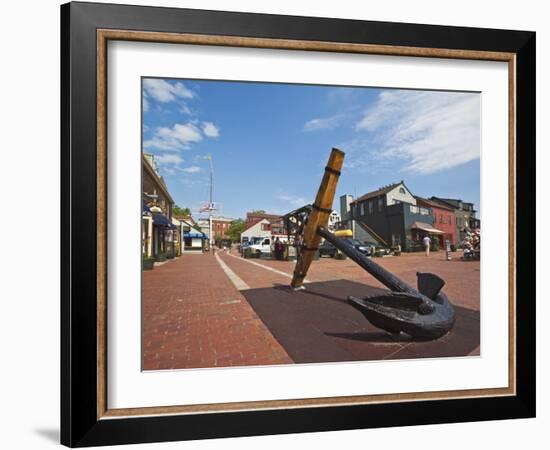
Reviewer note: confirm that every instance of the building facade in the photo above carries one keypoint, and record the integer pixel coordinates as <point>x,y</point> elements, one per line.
<point>391,216</point>
<point>465,216</point>
<point>444,219</point>
<point>276,223</point>
<point>157,227</point>
<point>334,220</point>
<point>192,239</point>
<point>220,225</point>
<point>260,229</point>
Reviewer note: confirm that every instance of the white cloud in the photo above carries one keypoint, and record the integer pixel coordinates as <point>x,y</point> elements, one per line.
<point>432,131</point>
<point>164,91</point>
<point>179,137</point>
<point>292,199</point>
<point>210,130</point>
<point>145,104</point>
<point>192,169</point>
<point>325,123</point>
<point>168,159</point>
<point>185,110</point>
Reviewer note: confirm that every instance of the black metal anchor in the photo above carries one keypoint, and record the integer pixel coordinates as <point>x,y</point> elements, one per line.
<point>425,313</point>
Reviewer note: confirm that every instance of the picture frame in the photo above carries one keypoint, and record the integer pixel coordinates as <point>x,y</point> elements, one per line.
<point>86,418</point>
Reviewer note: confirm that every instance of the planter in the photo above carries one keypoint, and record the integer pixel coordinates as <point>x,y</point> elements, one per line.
<point>147,264</point>
<point>161,257</point>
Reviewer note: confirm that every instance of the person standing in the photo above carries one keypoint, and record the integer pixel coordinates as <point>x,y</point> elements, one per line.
<point>278,247</point>
<point>427,241</point>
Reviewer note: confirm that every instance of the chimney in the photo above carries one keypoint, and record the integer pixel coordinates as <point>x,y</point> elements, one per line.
<point>345,208</point>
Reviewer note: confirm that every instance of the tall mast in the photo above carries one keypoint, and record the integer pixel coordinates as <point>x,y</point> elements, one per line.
<point>210,205</point>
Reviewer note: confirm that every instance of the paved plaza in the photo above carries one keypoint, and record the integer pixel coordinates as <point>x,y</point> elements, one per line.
<point>219,310</point>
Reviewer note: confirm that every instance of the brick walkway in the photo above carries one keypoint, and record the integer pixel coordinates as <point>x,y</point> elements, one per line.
<point>193,316</point>
<point>462,287</point>
<point>462,278</point>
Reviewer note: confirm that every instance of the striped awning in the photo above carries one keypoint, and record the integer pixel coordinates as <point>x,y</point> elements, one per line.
<point>426,227</point>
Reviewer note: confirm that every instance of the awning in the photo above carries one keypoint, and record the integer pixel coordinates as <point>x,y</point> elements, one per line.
<point>159,219</point>
<point>426,227</point>
<point>194,235</point>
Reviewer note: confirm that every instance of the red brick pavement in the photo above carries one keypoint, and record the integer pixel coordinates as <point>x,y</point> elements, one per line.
<point>193,317</point>
<point>462,278</point>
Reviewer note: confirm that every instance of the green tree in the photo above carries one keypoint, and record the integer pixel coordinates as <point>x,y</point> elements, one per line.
<point>178,211</point>
<point>235,229</point>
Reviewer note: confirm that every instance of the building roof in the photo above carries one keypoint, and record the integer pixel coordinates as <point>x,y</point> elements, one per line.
<point>146,164</point>
<point>254,223</point>
<point>451,202</point>
<point>380,191</point>
<point>263,215</point>
<point>180,217</point>
<point>433,203</point>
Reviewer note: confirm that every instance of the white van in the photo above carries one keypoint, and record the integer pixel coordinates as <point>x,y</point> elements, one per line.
<point>260,245</point>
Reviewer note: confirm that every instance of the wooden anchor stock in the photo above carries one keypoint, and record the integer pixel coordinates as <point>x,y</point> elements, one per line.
<point>318,217</point>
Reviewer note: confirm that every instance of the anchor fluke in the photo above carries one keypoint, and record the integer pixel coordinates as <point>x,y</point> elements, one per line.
<point>416,315</point>
<point>429,284</point>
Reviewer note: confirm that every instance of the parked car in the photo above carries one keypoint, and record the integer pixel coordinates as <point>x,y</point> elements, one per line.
<point>327,249</point>
<point>365,249</point>
<point>376,249</point>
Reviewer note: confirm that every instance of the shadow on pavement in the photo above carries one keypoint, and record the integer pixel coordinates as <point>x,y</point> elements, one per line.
<point>318,325</point>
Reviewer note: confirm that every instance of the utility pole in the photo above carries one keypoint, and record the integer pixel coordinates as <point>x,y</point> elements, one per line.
<point>210,206</point>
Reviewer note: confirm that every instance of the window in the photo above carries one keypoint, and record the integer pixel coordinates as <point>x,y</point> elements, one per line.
<point>380,203</point>
<point>402,190</point>
<point>371,207</point>
<point>362,208</point>
<point>266,226</point>
<point>266,242</point>
<point>440,218</point>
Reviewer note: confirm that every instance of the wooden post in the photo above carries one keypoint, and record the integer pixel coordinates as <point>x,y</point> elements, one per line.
<point>318,217</point>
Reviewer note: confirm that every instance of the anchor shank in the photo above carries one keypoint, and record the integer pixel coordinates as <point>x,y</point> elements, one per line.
<point>385,277</point>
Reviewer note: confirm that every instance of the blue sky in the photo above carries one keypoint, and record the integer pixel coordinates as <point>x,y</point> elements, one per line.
<point>269,142</point>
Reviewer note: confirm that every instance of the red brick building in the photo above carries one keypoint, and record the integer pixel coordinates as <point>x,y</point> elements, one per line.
<point>220,225</point>
<point>444,219</point>
<point>276,223</point>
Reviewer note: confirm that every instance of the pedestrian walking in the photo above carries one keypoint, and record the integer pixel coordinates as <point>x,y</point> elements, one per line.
<point>427,241</point>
